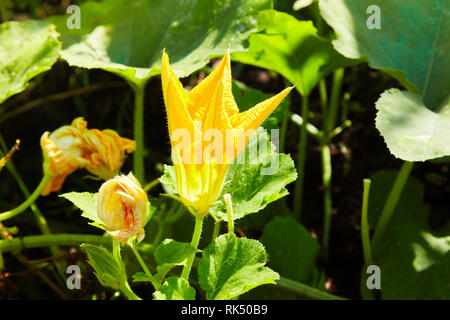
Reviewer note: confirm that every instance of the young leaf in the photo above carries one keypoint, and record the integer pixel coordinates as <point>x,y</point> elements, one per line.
<point>293,49</point>
<point>413,259</point>
<point>175,289</point>
<point>254,183</point>
<point>417,56</point>
<point>127,38</point>
<point>412,131</point>
<point>295,262</point>
<point>171,253</point>
<point>231,266</point>
<point>109,272</point>
<point>87,203</point>
<point>26,49</point>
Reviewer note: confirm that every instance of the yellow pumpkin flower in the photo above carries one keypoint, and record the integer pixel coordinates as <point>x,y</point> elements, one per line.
<point>208,111</point>
<point>106,152</point>
<point>73,147</point>
<point>122,207</point>
<point>63,151</point>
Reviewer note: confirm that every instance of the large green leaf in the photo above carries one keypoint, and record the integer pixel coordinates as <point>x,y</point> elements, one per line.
<point>413,259</point>
<point>175,289</point>
<point>26,50</point>
<point>411,45</point>
<point>128,37</point>
<point>291,248</point>
<point>253,181</point>
<point>291,48</point>
<point>231,266</point>
<point>412,131</point>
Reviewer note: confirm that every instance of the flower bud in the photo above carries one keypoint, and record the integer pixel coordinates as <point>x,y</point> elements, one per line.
<point>122,207</point>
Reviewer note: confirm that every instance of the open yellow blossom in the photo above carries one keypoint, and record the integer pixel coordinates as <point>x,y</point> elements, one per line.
<point>122,207</point>
<point>73,147</point>
<point>208,111</point>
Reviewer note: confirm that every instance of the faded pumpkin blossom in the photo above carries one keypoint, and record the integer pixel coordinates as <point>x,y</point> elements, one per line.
<point>207,111</point>
<point>63,151</point>
<point>9,155</point>
<point>106,151</point>
<point>73,147</point>
<point>121,205</point>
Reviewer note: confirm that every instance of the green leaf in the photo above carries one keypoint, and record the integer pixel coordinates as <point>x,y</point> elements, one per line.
<point>127,38</point>
<point>412,131</point>
<point>26,50</point>
<point>254,183</point>
<point>141,277</point>
<point>168,180</point>
<point>295,262</point>
<point>86,202</point>
<point>175,289</point>
<point>413,259</point>
<point>108,270</point>
<point>293,49</point>
<point>231,266</point>
<point>171,253</point>
<point>411,45</point>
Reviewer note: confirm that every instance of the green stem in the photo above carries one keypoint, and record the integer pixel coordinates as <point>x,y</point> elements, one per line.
<point>283,129</point>
<point>216,229</point>
<point>298,199</point>
<point>391,202</point>
<point>11,213</point>
<point>40,219</point>
<point>327,207</point>
<point>144,267</point>
<point>229,205</point>
<point>194,243</point>
<point>364,223</point>
<point>305,291</point>
<point>338,76</point>
<point>126,290</point>
<point>151,185</point>
<point>138,158</point>
<point>29,242</point>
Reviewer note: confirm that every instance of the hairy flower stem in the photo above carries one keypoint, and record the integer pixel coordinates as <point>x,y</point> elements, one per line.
<point>364,223</point>
<point>298,199</point>
<point>29,242</point>
<point>391,202</point>
<point>11,213</point>
<point>138,158</point>
<point>194,243</point>
<point>144,267</point>
<point>327,207</point>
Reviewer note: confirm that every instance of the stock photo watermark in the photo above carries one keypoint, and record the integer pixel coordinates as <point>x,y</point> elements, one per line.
<point>74,279</point>
<point>374,20</point>
<point>374,280</point>
<point>74,20</point>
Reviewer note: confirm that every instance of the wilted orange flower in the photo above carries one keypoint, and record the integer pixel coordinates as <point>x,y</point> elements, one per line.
<point>64,153</point>
<point>106,152</point>
<point>122,207</point>
<point>208,111</point>
<point>73,147</point>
